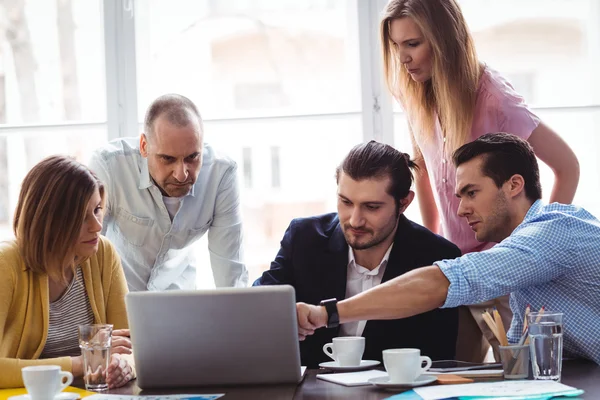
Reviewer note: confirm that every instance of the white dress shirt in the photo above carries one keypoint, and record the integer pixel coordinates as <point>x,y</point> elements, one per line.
<point>157,251</point>
<point>358,280</point>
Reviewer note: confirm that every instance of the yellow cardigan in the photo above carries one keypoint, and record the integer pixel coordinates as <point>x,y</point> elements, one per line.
<point>24,306</point>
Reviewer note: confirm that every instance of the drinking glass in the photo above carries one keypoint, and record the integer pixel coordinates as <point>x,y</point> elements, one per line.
<point>546,344</point>
<point>95,341</point>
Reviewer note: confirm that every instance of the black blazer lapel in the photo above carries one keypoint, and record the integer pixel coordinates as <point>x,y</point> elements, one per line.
<point>335,262</point>
<point>402,256</point>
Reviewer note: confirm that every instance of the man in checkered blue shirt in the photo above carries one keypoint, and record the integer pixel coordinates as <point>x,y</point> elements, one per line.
<point>547,255</point>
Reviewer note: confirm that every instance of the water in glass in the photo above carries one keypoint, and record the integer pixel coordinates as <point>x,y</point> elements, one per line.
<point>546,349</point>
<point>95,361</point>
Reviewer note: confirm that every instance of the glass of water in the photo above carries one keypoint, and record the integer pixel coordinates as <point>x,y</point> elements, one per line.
<point>546,344</point>
<point>95,341</point>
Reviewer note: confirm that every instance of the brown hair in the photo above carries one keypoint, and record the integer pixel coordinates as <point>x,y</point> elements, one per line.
<point>378,160</point>
<point>179,110</point>
<point>50,213</point>
<point>451,92</point>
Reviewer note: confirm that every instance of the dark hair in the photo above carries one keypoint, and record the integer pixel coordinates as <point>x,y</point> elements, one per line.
<point>504,155</point>
<point>179,110</point>
<point>378,160</point>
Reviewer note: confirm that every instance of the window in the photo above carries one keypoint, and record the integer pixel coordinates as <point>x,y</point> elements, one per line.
<point>52,88</point>
<point>245,58</point>
<point>556,42</point>
<point>247,166</point>
<point>286,88</point>
<point>550,52</point>
<point>279,88</point>
<point>275,168</point>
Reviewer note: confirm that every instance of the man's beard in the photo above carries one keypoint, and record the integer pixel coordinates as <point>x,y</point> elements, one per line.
<point>496,224</point>
<point>376,239</point>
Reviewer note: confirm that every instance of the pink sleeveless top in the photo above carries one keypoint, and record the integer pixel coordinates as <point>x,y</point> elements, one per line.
<point>498,108</point>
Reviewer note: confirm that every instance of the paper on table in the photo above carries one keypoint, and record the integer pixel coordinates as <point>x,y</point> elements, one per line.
<point>477,373</point>
<point>159,397</point>
<point>493,389</point>
<point>353,378</point>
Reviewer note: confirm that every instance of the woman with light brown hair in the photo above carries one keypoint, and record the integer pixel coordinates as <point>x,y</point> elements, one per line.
<point>59,273</point>
<point>451,98</point>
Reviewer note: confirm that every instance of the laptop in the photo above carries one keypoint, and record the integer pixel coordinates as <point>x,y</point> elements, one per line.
<point>214,337</point>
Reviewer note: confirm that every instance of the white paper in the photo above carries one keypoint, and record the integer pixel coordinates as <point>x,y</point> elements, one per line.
<point>474,373</point>
<point>159,397</point>
<point>353,378</point>
<point>491,389</point>
<point>302,371</point>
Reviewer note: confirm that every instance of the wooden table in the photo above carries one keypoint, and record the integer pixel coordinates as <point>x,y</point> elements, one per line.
<point>580,374</point>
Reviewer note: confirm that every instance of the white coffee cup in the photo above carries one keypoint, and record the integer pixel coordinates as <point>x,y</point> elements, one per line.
<point>404,365</point>
<point>346,350</point>
<point>44,382</point>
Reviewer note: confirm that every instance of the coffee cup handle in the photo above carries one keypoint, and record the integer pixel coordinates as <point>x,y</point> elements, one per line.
<point>69,376</point>
<point>327,348</point>
<point>427,366</point>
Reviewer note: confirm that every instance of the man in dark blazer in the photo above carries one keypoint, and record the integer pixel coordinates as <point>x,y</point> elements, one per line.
<point>367,242</point>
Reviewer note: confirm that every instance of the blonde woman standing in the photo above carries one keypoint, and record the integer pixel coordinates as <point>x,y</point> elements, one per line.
<point>451,98</point>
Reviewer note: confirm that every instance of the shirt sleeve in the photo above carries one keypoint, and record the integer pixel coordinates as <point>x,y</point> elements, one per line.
<point>10,366</point>
<point>225,235</point>
<point>514,116</point>
<point>531,256</point>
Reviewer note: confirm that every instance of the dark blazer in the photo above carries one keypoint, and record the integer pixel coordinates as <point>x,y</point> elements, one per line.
<point>314,259</point>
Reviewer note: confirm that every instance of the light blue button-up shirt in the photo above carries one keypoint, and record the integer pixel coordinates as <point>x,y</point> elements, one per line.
<point>157,253</point>
<point>551,259</point>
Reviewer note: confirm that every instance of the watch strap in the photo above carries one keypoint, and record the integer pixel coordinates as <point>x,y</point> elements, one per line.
<point>333,318</point>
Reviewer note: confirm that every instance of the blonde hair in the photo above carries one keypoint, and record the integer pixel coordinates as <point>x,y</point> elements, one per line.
<point>50,212</point>
<point>451,92</point>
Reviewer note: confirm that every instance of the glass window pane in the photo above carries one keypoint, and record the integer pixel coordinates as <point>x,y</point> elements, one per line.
<point>250,58</point>
<point>51,72</point>
<point>254,68</point>
<point>548,50</point>
<point>305,151</point>
<point>585,141</point>
<point>51,61</point>
<point>22,147</point>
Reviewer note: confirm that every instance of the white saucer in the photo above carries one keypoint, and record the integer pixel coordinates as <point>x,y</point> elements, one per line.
<point>364,364</point>
<point>60,396</point>
<point>384,382</point>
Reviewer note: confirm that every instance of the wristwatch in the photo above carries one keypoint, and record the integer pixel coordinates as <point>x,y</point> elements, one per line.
<point>333,318</point>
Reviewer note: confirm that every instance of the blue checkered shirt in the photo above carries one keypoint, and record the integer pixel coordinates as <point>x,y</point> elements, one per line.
<point>551,259</point>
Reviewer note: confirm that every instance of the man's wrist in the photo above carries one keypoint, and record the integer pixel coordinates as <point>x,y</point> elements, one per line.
<point>332,319</point>
<point>322,317</point>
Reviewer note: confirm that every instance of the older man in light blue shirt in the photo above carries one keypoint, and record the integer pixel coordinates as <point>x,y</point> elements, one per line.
<point>165,190</point>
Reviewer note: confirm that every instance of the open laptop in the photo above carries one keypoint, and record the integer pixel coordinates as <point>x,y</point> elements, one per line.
<point>214,337</point>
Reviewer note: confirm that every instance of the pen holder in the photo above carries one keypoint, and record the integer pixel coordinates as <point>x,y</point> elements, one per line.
<point>515,361</point>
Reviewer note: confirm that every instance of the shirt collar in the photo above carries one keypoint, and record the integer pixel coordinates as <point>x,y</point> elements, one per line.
<point>362,270</point>
<point>534,210</point>
<point>146,179</point>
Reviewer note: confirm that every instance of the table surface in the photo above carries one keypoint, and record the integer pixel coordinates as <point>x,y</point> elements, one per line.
<point>577,373</point>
